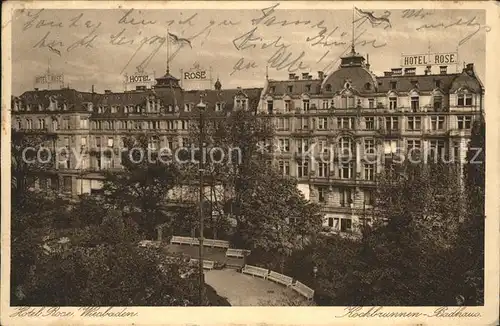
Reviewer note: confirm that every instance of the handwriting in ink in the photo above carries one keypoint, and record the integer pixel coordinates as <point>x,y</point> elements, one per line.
<point>242,65</point>
<point>413,13</point>
<point>37,22</point>
<point>459,22</point>
<point>86,41</point>
<point>127,18</point>
<point>269,19</point>
<point>281,59</point>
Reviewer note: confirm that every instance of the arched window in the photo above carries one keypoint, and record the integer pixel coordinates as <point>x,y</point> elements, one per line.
<point>19,124</point>
<point>55,124</point>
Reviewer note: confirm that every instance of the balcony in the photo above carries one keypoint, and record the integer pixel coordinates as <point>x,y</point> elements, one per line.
<point>390,132</point>
<point>459,133</point>
<point>302,132</point>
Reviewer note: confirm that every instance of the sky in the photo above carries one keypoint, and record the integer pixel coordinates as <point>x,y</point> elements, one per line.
<point>97,47</point>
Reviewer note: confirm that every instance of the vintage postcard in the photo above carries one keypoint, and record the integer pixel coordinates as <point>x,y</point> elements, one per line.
<point>277,163</point>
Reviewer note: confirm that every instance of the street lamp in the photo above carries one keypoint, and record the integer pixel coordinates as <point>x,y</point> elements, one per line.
<point>201,107</point>
<point>315,271</point>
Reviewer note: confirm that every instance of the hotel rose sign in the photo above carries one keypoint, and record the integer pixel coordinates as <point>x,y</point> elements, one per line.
<point>429,59</point>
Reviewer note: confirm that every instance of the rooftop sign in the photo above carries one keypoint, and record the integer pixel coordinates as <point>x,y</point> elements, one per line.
<point>429,59</point>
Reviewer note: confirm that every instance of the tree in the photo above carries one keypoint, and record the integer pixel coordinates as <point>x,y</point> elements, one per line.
<point>143,190</point>
<point>404,258</point>
<point>472,238</point>
<point>275,217</point>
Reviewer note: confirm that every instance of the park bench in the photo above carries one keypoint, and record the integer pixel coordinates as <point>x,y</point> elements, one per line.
<point>255,271</point>
<point>303,289</point>
<point>183,240</point>
<point>280,278</point>
<point>220,244</point>
<point>238,253</point>
<point>207,264</point>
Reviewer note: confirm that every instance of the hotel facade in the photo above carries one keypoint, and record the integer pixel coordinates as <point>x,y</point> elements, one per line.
<point>334,133</point>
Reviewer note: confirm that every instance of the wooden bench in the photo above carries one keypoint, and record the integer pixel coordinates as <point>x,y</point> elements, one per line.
<point>182,240</point>
<point>238,253</point>
<point>220,244</point>
<point>255,271</point>
<point>303,290</point>
<point>280,278</point>
<point>207,264</point>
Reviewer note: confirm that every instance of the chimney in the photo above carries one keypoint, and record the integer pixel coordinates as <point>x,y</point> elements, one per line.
<point>410,71</point>
<point>443,70</point>
<point>397,71</point>
<point>309,77</point>
<point>291,76</point>
<point>387,73</point>
<point>107,91</point>
<point>321,75</point>
<point>93,91</point>
<point>305,75</point>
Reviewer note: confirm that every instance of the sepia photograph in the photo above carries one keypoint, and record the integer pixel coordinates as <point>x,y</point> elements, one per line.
<point>262,156</point>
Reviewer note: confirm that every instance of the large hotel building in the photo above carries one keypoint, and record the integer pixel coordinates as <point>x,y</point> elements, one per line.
<point>329,128</point>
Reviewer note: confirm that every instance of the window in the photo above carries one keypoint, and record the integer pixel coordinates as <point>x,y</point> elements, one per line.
<point>323,123</point>
<point>369,172</point>
<point>415,103</point>
<point>110,142</point>
<point>437,147</point>
<point>187,107</point>
<point>391,123</point>
<point>368,197</point>
<point>41,123</point>
<point>67,184</point>
<point>345,197</point>
<point>345,225</point>
<point>305,104</point>
<point>464,122</point>
<point>350,102</point>
<point>308,88</point>
<point>29,124</point>
<point>328,87</point>
<point>98,141</point>
<point>19,124</point>
<point>282,123</point>
<point>304,123</point>
<point>345,145</point>
<point>284,167</point>
<point>371,103</point>
<point>390,146</point>
<point>464,99</point>
<point>303,169</point>
<point>346,123</point>
<point>323,146</point>
<point>345,170</point>
<point>272,89</point>
<point>84,141</point>
<point>66,124</point>
<point>369,146</point>
<point>323,169</point>
<point>55,125</point>
<point>370,123</point>
<point>437,123</point>
<point>393,103</point>
<point>287,106</point>
<point>66,142</point>
<point>325,104</point>
<point>437,83</point>
<point>333,222</point>
<point>456,151</point>
<point>302,145</point>
<point>414,123</point>
<point>413,145</point>
<point>218,106</point>
<point>290,88</point>
<point>84,123</point>
<point>322,191</point>
<point>438,103</point>
<point>393,85</point>
<point>270,107</point>
<point>284,145</point>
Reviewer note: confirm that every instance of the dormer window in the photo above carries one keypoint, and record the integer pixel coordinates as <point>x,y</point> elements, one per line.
<point>328,87</point>
<point>187,107</point>
<point>272,89</point>
<point>415,103</point>
<point>288,106</point>
<point>305,105</point>
<point>218,106</point>
<point>464,100</point>
<point>393,84</point>
<point>308,88</point>
<point>270,107</point>
<point>290,88</point>
<point>368,86</point>
<point>437,83</point>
